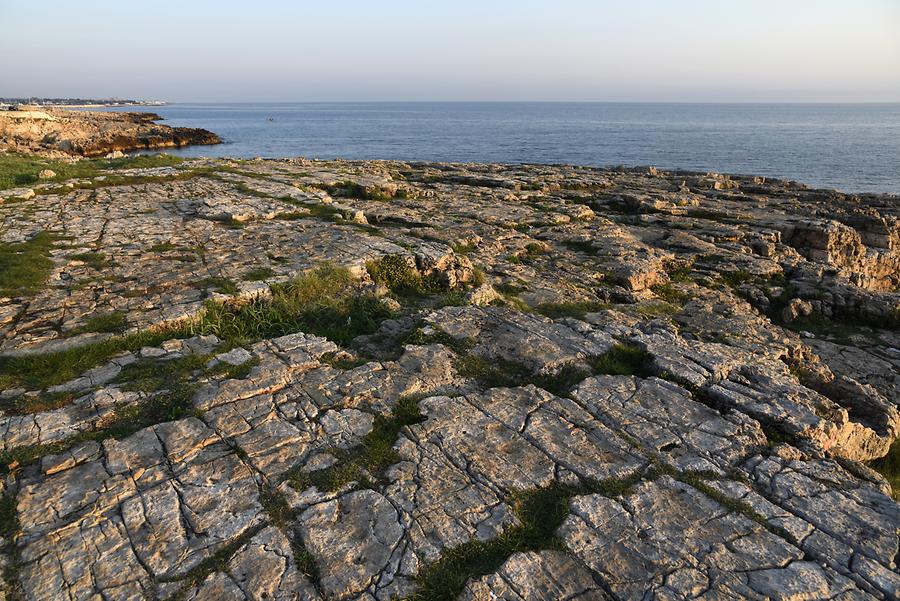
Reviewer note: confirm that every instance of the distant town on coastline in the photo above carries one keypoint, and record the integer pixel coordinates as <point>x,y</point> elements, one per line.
<point>7,103</point>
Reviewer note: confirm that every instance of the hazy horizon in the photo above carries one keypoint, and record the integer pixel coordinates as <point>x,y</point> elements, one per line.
<point>698,51</point>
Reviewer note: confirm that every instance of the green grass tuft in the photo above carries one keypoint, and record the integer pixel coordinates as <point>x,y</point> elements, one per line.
<point>350,189</point>
<point>26,266</point>
<point>573,309</point>
<point>669,293</point>
<point>26,405</point>
<point>113,323</point>
<point>22,170</point>
<point>623,360</point>
<point>163,247</point>
<point>37,372</point>
<point>500,373</point>
<point>221,285</point>
<point>323,302</point>
<point>257,274</point>
<point>736,278</point>
<point>654,309</point>
<point>463,248</point>
<point>494,372</point>
<point>94,260</point>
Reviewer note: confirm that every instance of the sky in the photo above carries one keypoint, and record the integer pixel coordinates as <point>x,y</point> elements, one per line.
<point>457,50</point>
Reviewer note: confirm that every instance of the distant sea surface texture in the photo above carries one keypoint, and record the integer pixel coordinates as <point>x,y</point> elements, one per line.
<point>851,147</point>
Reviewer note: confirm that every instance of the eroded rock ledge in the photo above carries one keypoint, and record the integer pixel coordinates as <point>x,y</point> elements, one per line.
<point>297,379</point>
<point>92,133</point>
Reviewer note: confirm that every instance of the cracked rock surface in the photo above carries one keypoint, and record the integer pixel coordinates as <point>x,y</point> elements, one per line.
<point>520,382</point>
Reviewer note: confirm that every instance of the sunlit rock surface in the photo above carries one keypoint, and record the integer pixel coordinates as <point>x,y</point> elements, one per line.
<point>608,384</point>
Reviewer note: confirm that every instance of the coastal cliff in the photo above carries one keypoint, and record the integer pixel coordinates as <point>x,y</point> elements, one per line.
<point>296,379</point>
<point>92,133</point>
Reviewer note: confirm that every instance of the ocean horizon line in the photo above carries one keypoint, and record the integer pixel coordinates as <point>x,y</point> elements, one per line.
<point>582,102</point>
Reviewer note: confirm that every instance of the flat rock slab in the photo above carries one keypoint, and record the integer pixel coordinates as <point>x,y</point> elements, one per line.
<point>669,540</point>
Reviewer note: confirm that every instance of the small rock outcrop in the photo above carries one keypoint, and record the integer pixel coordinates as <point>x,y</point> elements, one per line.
<point>92,133</point>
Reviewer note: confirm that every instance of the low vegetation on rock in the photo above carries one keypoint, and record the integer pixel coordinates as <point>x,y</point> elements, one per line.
<point>295,379</point>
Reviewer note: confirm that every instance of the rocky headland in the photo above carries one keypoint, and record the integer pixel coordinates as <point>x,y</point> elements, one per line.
<point>294,379</point>
<point>56,131</point>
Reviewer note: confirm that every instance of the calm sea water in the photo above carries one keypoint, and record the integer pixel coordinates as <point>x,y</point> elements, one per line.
<point>851,147</point>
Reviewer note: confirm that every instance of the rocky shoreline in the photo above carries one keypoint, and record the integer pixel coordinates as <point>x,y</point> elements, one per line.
<point>296,379</point>
<point>56,131</point>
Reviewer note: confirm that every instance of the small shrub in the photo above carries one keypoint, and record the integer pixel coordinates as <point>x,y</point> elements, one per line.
<point>532,251</point>
<point>680,272</point>
<point>510,288</point>
<point>585,246</point>
<point>563,381</point>
<point>396,273</point>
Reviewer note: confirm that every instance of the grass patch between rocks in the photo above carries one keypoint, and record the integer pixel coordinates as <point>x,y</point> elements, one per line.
<point>323,302</point>
<point>94,260</point>
<point>217,562</point>
<point>26,266</point>
<point>889,467</point>
<point>44,401</point>
<point>9,530</point>
<point>669,293</point>
<point>39,371</point>
<point>540,512</point>
<point>500,373</point>
<point>168,405</point>
<point>281,516</point>
<point>257,274</point>
<point>221,284</point>
<point>169,386</point>
<point>623,360</point>
<point>18,170</point>
<point>573,309</point>
<point>374,454</point>
<point>113,322</point>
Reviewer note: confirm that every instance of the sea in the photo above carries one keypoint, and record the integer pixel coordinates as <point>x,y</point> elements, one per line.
<point>849,147</point>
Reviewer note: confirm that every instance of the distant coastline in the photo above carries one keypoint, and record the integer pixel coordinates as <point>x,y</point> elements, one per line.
<point>78,102</point>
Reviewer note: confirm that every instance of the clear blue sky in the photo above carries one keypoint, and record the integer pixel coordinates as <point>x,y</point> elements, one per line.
<point>278,50</point>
